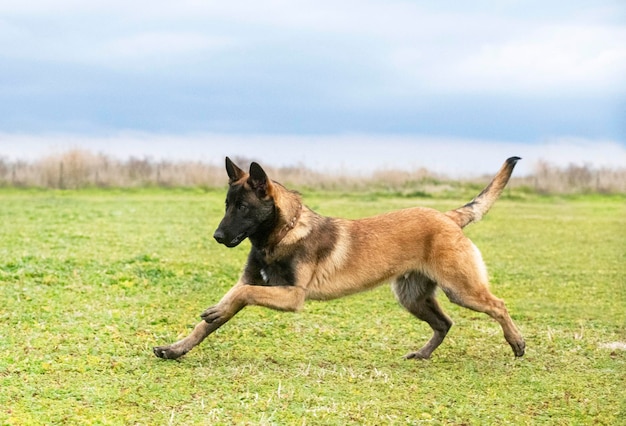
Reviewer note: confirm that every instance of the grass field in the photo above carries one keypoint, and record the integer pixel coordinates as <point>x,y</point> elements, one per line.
<point>91,280</point>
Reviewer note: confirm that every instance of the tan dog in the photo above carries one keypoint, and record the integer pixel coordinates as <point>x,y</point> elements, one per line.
<point>297,255</point>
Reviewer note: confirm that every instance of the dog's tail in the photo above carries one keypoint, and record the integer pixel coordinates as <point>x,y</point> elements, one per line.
<point>479,206</point>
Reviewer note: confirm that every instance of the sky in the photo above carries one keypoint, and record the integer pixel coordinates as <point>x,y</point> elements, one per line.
<point>358,85</point>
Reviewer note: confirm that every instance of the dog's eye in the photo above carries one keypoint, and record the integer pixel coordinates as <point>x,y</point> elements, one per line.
<point>242,207</point>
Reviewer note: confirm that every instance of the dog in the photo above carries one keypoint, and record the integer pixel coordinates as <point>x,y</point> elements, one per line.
<point>297,255</point>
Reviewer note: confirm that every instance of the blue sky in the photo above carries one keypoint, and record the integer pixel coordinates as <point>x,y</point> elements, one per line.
<point>114,75</point>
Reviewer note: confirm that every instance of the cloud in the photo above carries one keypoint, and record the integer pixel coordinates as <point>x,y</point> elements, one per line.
<point>151,49</point>
<point>411,46</point>
<point>522,58</point>
<point>561,59</point>
<point>309,66</point>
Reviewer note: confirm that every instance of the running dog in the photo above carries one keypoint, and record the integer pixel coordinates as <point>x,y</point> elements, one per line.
<point>297,255</point>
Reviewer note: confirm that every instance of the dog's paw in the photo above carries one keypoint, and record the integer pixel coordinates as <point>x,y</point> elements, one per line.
<point>417,355</point>
<point>519,348</point>
<point>167,352</point>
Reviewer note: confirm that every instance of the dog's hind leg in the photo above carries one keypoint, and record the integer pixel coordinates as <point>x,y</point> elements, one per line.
<point>416,293</point>
<point>466,284</point>
<point>484,301</point>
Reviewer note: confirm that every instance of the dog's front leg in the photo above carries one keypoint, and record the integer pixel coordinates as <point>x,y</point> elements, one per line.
<point>202,329</point>
<point>180,348</point>
<point>280,298</point>
<point>283,298</point>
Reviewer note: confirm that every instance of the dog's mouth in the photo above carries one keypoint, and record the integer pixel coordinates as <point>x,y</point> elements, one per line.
<point>236,241</point>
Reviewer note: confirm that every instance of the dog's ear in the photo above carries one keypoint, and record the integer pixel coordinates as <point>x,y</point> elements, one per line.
<point>234,172</point>
<point>259,181</point>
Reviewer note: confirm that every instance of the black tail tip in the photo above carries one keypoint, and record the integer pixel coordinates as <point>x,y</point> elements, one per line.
<point>512,160</point>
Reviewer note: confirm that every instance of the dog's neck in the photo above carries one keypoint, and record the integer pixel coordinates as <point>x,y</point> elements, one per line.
<point>268,248</point>
<point>289,225</point>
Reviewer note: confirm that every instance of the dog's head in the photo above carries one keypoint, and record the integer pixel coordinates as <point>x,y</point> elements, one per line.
<point>250,208</point>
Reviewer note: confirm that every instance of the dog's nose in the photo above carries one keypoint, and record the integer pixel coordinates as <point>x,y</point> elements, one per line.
<point>219,236</point>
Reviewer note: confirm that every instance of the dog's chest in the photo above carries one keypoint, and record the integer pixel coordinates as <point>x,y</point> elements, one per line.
<point>277,273</point>
<point>281,274</point>
<point>265,276</point>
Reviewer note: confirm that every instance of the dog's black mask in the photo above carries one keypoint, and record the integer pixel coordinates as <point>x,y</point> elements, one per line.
<point>250,210</point>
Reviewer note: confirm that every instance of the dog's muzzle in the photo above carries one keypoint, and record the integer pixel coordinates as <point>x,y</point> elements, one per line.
<point>222,238</point>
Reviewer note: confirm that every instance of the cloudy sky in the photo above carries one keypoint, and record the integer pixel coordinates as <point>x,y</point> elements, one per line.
<point>442,84</point>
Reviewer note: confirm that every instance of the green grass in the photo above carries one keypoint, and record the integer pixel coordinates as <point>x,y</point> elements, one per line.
<point>91,280</point>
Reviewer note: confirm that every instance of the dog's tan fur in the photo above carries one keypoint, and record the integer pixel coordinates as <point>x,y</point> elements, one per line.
<point>416,249</point>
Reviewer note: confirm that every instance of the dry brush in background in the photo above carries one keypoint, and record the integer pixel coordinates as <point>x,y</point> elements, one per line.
<point>77,169</point>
